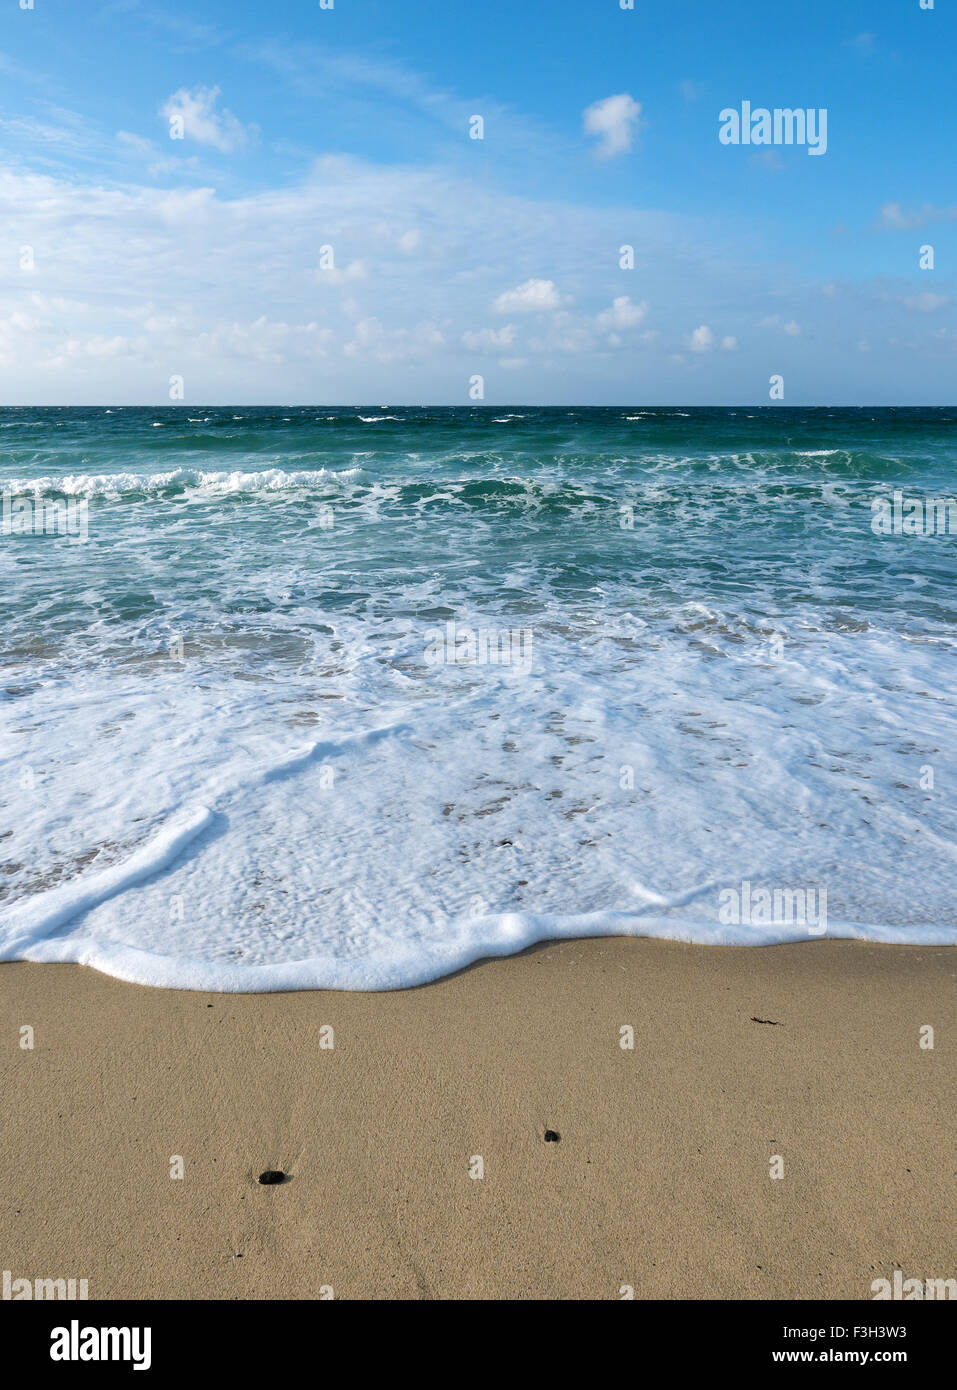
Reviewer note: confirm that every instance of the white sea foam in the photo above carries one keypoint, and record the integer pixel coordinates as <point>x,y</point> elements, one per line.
<point>213,482</point>
<point>481,811</point>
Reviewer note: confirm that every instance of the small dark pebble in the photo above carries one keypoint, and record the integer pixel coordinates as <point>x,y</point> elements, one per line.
<point>271,1176</point>
<point>552,1136</point>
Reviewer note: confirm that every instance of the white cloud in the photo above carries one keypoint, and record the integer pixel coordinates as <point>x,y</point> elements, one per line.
<point>791,327</point>
<point>185,207</point>
<point>622,314</point>
<point>702,339</point>
<point>729,344</point>
<point>615,121</point>
<point>203,123</point>
<point>134,283</point>
<point>490,339</point>
<point>533,297</point>
<point>264,340</point>
<point>372,339</point>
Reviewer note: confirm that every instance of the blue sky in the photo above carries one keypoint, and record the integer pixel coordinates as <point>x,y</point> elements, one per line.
<point>129,257</point>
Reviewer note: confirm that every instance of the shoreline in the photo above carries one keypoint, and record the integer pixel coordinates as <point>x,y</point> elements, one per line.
<point>193,975</point>
<point>659,1180</point>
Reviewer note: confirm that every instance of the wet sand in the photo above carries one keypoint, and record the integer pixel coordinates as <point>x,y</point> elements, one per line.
<point>659,1182</point>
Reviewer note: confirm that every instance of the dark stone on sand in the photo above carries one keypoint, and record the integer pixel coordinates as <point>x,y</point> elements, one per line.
<point>271,1176</point>
<point>552,1136</point>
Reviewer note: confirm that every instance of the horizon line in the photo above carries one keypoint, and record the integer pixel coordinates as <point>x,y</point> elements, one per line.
<point>459,405</point>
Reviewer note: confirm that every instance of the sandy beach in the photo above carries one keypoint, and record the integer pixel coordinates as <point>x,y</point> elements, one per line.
<point>660,1180</point>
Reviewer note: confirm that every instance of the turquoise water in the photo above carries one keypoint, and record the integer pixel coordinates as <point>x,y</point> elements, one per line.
<point>259,730</point>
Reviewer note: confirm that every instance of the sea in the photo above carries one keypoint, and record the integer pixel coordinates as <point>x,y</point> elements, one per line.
<point>295,698</point>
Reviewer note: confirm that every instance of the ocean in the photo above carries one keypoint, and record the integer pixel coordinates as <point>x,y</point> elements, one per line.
<point>300,698</point>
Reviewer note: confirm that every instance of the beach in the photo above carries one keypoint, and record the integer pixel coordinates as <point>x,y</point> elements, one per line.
<point>527,834</point>
<point>478,635</point>
<point>659,1182</point>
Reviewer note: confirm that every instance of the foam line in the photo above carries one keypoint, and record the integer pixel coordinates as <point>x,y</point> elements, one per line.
<point>407,965</point>
<point>38,916</point>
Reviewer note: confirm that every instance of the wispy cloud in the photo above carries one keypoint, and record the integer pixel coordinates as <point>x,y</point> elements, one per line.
<point>896,217</point>
<point>489,339</point>
<point>193,113</point>
<point>229,292</point>
<point>189,32</point>
<point>12,69</point>
<point>865,43</point>
<point>926,302</point>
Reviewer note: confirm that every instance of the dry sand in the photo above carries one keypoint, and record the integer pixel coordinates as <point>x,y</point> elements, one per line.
<point>660,1180</point>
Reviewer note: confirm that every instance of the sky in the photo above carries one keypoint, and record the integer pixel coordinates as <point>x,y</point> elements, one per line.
<point>250,203</point>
